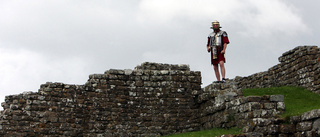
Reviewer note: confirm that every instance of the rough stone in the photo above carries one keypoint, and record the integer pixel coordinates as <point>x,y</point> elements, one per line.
<point>310,115</point>
<point>273,129</point>
<point>277,98</point>
<point>287,128</point>
<point>304,126</point>
<point>281,106</point>
<point>159,99</point>
<point>261,121</point>
<point>316,125</point>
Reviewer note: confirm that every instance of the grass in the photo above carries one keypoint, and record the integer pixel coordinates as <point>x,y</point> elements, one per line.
<point>297,100</point>
<point>209,133</point>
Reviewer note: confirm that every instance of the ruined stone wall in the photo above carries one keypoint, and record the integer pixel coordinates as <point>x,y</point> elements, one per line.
<point>152,100</point>
<point>298,67</point>
<point>223,105</point>
<point>306,125</point>
<point>161,99</point>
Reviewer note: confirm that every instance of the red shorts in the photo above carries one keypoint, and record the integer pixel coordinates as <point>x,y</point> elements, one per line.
<point>220,58</point>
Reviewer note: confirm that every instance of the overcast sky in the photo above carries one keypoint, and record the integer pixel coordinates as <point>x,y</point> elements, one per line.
<point>66,41</point>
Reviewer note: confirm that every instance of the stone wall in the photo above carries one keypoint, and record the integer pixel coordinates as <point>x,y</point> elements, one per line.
<point>160,99</point>
<point>306,125</point>
<point>222,105</point>
<point>152,100</point>
<point>298,67</point>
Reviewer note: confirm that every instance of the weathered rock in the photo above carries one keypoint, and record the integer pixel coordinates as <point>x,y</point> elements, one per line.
<point>287,128</point>
<point>295,119</point>
<point>159,99</point>
<point>273,129</point>
<point>316,125</point>
<point>254,134</point>
<point>277,98</point>
<point>304,126</point>
<point>310,115</point>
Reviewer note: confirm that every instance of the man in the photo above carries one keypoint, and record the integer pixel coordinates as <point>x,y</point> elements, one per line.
<point>217,44</point>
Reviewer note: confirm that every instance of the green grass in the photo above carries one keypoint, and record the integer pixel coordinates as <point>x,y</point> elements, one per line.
<point>209,133</point>
<point>297,100</point>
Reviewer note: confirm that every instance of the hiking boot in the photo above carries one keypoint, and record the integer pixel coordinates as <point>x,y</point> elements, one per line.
<point>218,82</point>
<point>224,80</point>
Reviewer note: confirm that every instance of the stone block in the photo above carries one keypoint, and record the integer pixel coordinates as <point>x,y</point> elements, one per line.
<point>295,119</point>
<point>236,102</point>
<point>247,129</point>
<point>304,126</point>
<point>254,134</point>
<point>287,128</point>
<point>273,129</point>
<point>281,106</point>
<point>244,108</point>
<point>254,105</point>
<point>261,121</point>
<point>269,105</point>
<point>316,125</point>
<point>254,99</point>
<point>14,106</point>
<point>277,98</point>
<point>261,129</point>
<point>310,115</point>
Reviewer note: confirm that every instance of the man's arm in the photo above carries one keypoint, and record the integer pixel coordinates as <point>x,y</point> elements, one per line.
<point>224,48</point>
<point>225,41</point>
<point>208,47</point>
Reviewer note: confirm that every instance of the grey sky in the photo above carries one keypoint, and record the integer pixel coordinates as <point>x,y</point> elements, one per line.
<point>66,41</point>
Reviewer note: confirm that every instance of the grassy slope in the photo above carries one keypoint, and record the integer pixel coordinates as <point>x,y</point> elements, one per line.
<point>297,101</point>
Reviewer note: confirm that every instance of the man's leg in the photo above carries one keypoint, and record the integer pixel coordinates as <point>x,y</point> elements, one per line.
<point>223,70</point>
<point>216,70</point>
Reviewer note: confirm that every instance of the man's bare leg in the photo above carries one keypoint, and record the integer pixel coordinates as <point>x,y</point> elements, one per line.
<point>223,70</point>
<point>216,70</point>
